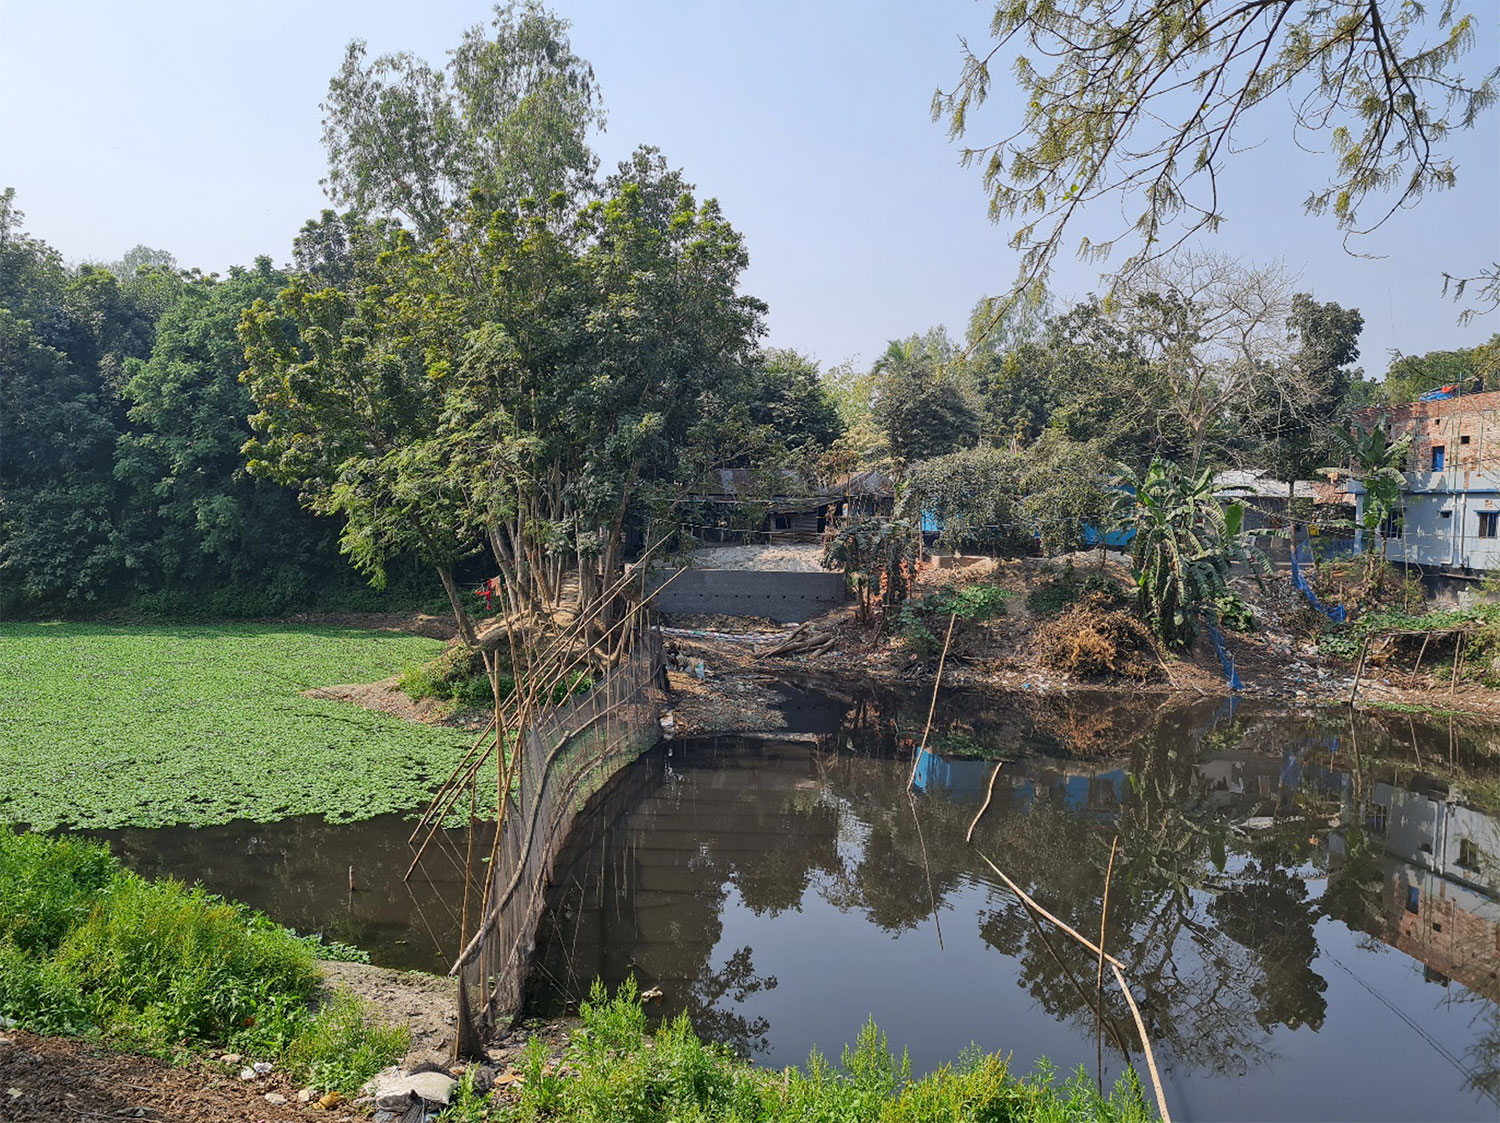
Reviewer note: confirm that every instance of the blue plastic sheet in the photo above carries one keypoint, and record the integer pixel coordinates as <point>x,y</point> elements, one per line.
<point>1231,675</point>
<point>1336,613</point>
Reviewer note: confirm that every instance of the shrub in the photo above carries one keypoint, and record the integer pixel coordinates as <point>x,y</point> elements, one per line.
<point>158,963</point>
<point>47,887</point>
<point>921,622</point>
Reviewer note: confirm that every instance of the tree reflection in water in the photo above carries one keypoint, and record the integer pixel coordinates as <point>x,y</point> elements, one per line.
<point>1241,830</point>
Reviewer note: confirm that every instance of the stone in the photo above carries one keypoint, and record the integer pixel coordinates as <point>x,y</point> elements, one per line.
<point>262,1067</point>
<point>232,1058</point>
<point>275,1099</point>
<point>307,1095</point>
<point>247,1074</point>
<point>431,1087</point>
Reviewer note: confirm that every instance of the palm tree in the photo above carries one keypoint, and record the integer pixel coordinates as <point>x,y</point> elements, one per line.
<point>1378,461</point>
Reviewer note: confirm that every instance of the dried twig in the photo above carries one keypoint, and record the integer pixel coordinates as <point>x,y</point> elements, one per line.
<point>1099,980</point>
<point>969,836</point>
<point>1140,1028</point>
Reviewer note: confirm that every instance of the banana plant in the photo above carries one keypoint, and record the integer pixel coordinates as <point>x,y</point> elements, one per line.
<point>1184,546</point>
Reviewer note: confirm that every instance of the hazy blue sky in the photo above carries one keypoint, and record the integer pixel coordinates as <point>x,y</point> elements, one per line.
<point>194,127</point>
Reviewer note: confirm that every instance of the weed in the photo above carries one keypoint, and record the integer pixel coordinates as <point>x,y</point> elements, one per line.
<point>920,622</point>
<point>343,1045</point>
<point>202,725</point>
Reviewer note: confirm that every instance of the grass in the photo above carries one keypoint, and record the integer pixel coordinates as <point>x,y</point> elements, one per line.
<point>624,1077</point>
<point>89,949</point>
<point>114,726</point>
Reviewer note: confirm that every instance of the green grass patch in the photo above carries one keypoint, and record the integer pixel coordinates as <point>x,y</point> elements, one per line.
<point>89,949</point>
<point>624,1077</point>
<point>114,726</point>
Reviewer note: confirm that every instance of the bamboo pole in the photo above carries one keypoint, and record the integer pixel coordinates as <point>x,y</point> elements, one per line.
<point>1359,670</point>
<point>937,682</point>
<point>1099,980</point>
<point>1140,1028</point>
<point>990,791</point>
<point>1027,899</point>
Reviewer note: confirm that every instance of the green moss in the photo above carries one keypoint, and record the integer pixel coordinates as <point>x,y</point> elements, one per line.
<point>114,726</point>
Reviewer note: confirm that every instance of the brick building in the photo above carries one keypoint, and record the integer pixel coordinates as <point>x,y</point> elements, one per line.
<point>1451,503</point>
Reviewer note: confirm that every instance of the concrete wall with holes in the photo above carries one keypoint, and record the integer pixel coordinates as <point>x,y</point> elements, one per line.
<point>785,597</point>
<point>1448,529</point>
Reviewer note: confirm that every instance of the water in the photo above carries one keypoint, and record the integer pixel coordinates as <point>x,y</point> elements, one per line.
<point>782,891</point>
<point>1306,908</point>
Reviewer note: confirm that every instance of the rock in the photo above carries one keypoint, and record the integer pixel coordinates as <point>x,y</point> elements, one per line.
<point>483,1079</point>
<point>397,1094</point>
<point>247,1074</point>
<point>262,1067</point>
<point>231,1058</point>
<point>275,1099</point>
<point>307,1095</point>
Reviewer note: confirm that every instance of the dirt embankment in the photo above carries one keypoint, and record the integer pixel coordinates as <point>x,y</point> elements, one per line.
<point>1064,624</point>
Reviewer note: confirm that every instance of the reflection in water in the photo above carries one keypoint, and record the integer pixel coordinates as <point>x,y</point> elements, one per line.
<point>298,872</point>
<point>1306,906</point>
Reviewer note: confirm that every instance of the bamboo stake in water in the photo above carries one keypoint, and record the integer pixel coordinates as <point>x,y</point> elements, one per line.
<point>1140,1028</point>
<point>969,837</point>
<point>1099,980</point>
<point>937,682</point>
<point>1027,899</point>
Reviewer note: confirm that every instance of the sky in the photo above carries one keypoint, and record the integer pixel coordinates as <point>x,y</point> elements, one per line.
<point>195,128</point>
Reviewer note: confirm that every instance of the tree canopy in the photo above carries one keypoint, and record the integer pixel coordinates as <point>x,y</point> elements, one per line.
<point>1147,102</point>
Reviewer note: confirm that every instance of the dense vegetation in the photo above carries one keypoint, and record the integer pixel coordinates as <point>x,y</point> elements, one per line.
<point>146,726</point>
<point>624,1076</point>
<point>88,948</point>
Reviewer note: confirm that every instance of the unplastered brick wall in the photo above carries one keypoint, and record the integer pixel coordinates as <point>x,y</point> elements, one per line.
<point>1466,429</point>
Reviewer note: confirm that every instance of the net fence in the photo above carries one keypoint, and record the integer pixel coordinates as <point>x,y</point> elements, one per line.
<point>567,754</point>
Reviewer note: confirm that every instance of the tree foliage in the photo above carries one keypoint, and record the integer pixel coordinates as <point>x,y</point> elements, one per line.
<point>509,116</point>
<point>1184,545</point>
<point>1146,101</point>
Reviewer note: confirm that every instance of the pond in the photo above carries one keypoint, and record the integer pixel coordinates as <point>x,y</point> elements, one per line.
<point>1305,902</point>
<point>1305,906</point>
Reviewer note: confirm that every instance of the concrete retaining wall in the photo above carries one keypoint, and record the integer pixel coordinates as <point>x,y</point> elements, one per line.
<point>786,597</point>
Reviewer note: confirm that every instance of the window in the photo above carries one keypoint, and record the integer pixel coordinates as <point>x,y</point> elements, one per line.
<point>1463,440</point>
<point>1489,522</point>
<point>1438,456</point>
<point>1391,526</point>
<point>1375,821</point>
<point>1468,854</point>
<point>1446,514</point>
<point>1413,899</point>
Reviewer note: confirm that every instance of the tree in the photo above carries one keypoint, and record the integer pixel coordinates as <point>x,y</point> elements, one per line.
<point>346,412</point>
<point>1144,101</point>
<point>919,406</point>
<point>791,399</point>
<point>1215,329</point>
<point>1378,463</point>
<point>1471,369</point>
<point>1182,550</point>
<point>196,514</point>
<point>1292,434</point>
<point>510,117</point>
<point>975,495</point>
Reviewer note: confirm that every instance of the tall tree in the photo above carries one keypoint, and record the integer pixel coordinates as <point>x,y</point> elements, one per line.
<point>1143,101</point>
<point>510,116</point>
<point>919,401</point>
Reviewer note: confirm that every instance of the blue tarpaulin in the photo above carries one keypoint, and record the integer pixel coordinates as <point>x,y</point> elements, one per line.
<point>1227,659</point>
<point>1301,557</point>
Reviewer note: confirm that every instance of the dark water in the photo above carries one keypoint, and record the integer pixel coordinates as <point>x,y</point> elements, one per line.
<point>1307,907</point>
<point>297,871</point>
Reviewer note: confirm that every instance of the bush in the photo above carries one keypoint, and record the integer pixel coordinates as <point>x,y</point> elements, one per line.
<point>922,622</point>
<point>160,963</point>
<point>457,675</point>
<point>88,948</point>
<point>1051,597</point>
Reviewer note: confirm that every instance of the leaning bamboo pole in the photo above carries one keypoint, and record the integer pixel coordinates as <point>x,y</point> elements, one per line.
<point>931,709</point>
<point>1119,970</point>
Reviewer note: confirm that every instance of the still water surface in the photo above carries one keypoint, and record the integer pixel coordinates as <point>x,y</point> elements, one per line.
<point>1307,905</point>
<point>1307,908</point>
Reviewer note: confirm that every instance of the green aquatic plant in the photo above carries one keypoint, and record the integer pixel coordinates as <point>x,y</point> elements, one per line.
<point>112,726</point>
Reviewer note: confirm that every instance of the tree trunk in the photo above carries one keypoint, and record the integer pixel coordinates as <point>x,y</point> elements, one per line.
<point>465,626</point>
